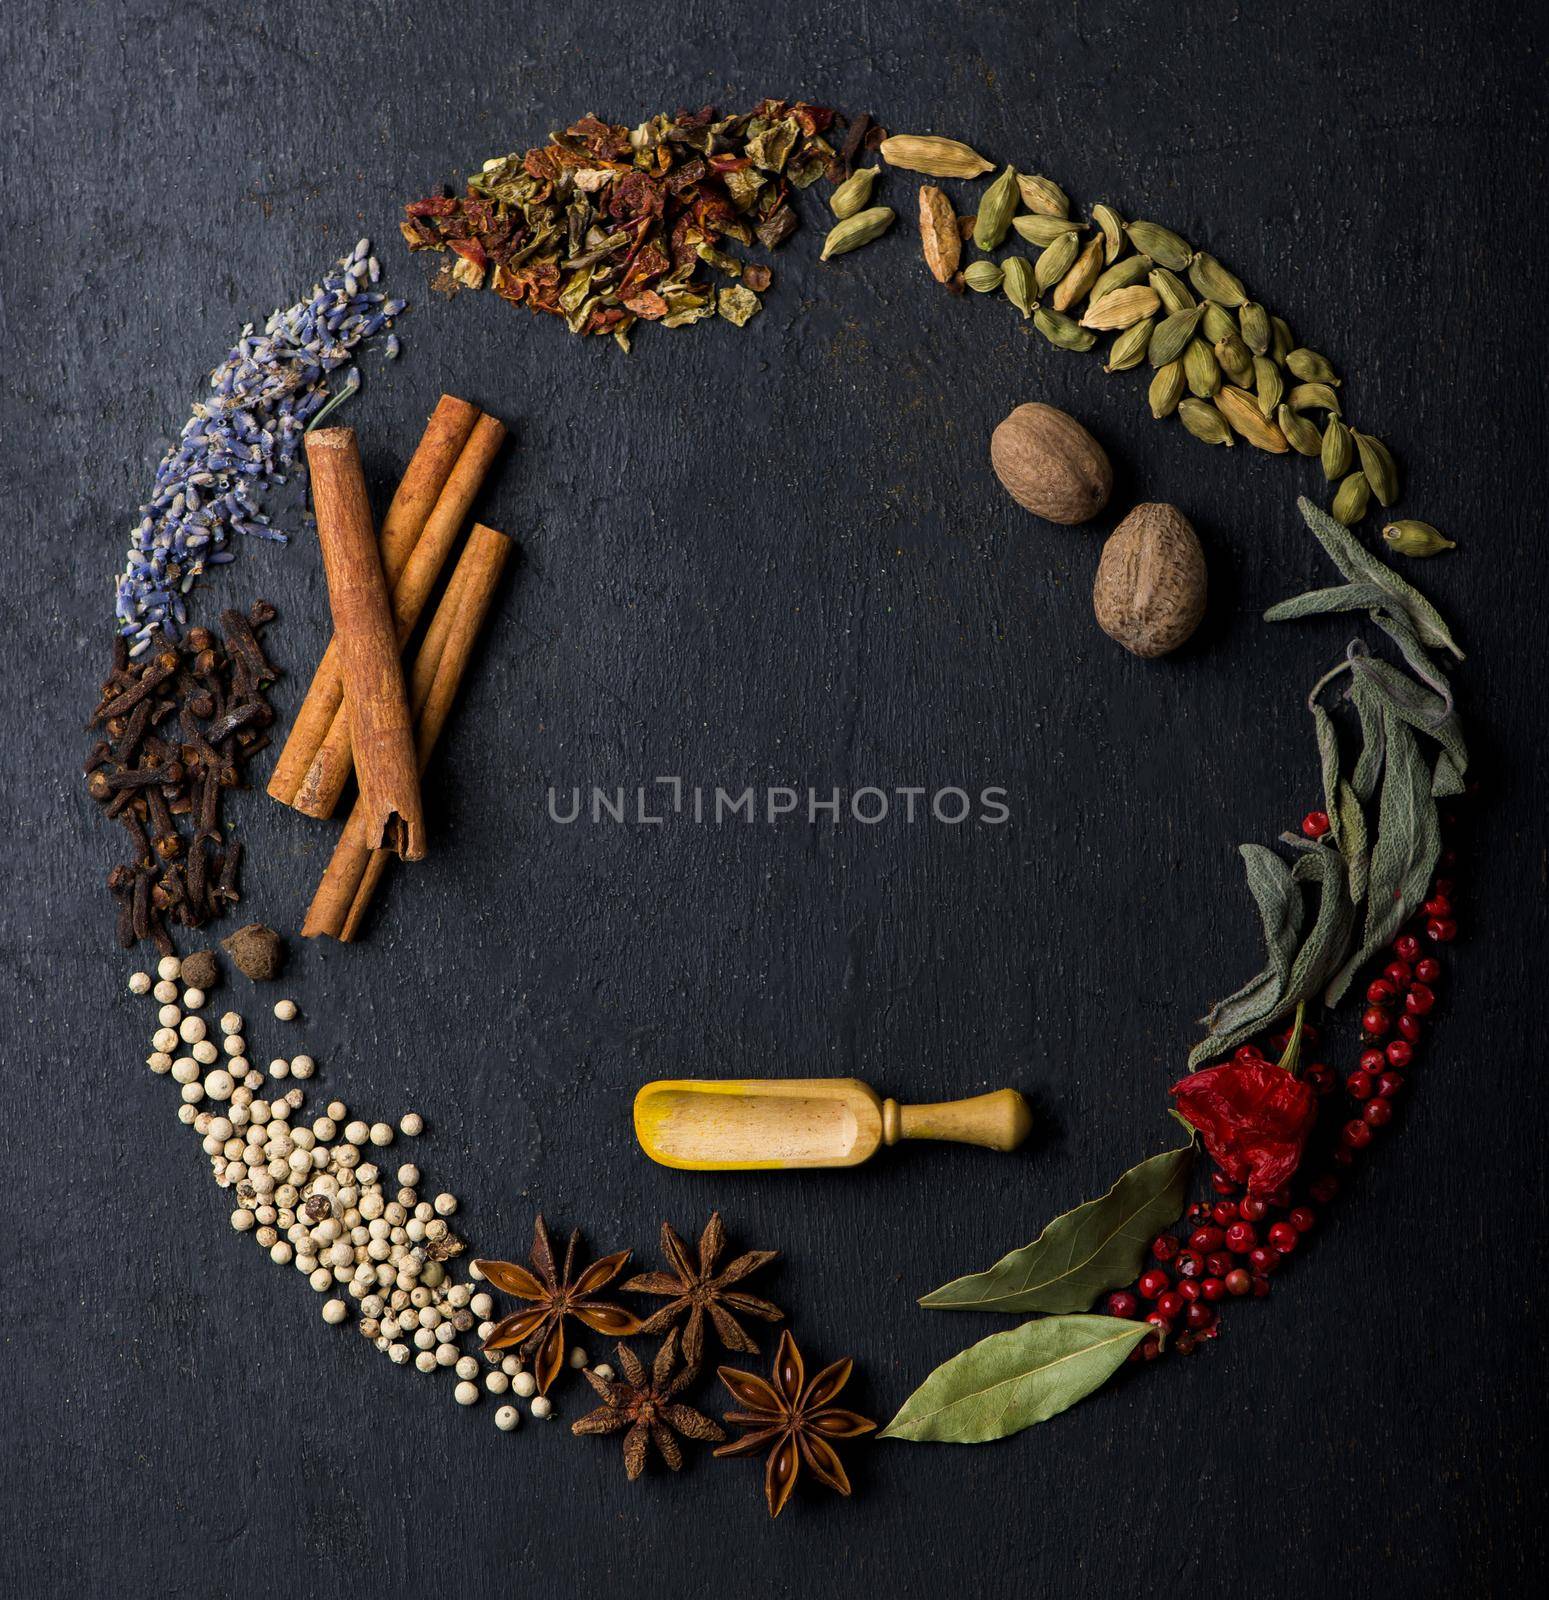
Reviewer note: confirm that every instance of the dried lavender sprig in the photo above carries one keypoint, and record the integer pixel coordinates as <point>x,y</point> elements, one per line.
<point>242,440</point>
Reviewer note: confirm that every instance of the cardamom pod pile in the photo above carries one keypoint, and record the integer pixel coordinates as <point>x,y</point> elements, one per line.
<point>1220,362</point>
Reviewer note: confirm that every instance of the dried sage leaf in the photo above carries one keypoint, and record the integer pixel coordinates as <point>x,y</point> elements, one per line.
<point>1367,700</point>
<point>1360,596</point>
<point>1425,712</point>
<point>1014,1379</point>
<point>1096,1246</point>
<point>1356,562</point>
<point>1404,855</point>
<point>1279,901</point>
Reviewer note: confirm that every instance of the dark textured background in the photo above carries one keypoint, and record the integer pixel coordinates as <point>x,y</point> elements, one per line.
<point>762,557</point>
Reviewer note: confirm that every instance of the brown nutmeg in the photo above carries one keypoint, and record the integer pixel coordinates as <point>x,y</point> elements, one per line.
<point>1051,465</point>
<point>1150,588</point>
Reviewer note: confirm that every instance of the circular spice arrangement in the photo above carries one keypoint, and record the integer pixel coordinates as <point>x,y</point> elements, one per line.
<point>606,228</point>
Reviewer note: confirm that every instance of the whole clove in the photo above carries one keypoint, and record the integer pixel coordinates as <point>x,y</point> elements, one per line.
<point>174,733</point>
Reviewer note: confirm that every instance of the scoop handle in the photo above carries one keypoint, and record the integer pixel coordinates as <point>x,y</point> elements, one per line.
<point>998,1121</point>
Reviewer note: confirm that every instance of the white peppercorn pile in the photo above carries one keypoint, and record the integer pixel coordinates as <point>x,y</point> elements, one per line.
<point>305,1193</point>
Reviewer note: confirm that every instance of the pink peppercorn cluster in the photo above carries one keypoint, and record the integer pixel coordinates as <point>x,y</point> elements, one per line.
<point>1235,1242</point>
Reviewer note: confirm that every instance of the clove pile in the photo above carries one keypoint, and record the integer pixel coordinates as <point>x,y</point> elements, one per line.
<point>176,727</point>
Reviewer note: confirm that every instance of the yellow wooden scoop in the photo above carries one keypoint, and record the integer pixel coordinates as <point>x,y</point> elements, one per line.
<point>743,1124</point>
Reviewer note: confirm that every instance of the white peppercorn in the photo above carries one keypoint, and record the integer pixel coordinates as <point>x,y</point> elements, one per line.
<point>139,983</point>
<point>159,1061</point>
<point>164,1039</point>
<point>466,1393</point>
<point>218,1085</point>
<point>446,1355</point>
<point>192,1029</point>
<point>578,1358</point>
<point>408,1175</point>
<point>301,1066</point>
<point>525,1385</point>
<point>511,1365</point>
<point>446,1204</point>
<point>497,1382</point>
<point>425,1361</point>
<point>193,999</point>
<point>231,1022</point>
<point>169,1016</point>
<point>185,1114</point>
<point>334,1311</point>
<point>603,1370</point>
<point>481,1305</point>
<point>285,1010</point>
<point>467,1367</point>
<point>205,1053</point>
<point>242,1220</point>
<point>542,1408</point>
<point>412,1124</point>
<point>398,1354</point>
<point>234,1045</point>
<point>169,967</point>
<point>506,1418</point>
<point>164,992</point>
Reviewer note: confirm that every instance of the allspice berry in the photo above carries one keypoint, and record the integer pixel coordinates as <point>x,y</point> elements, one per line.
<point>1050,464</point>
<point>1150,588</point>
<point>258,951</point>
<point>201,970</point>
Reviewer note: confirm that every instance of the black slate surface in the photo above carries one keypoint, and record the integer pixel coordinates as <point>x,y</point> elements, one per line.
<point>778,557</point>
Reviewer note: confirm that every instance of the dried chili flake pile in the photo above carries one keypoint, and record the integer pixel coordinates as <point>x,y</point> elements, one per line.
<point>606,226</point>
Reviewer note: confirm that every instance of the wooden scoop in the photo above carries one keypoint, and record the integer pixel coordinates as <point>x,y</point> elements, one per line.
<point>747,1124</point>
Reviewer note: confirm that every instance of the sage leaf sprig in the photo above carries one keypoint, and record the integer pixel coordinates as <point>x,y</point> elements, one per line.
<point>1011,1380</point>
<point>1097,1246</point>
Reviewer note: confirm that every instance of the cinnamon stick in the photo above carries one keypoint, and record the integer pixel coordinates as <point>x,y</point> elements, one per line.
<point>356,869</point>
<point>319,790</point>
<point>374,693</point>
<point>423,480</point>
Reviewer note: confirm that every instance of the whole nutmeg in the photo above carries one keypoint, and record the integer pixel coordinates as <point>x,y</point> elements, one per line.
<point>1049,463</point>
<point>1150,588</point>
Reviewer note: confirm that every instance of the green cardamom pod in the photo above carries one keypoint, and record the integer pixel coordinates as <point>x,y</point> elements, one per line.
<point>1204,421</point>
<point>1268,385</point>
<point>1173,334</point>
<point>1282,340</point>
<point>1017,281</point>
<point>1413,538</point>
<point>855,231</point>
<point>1214,282</point>
<point>1253,321</point>
<point>1300,434</point>
<point>1043,195</point>
<point>1337,450</point>
<point>854,194</point>
<point>1166,389</point>
<point>1063,332</point>
<point>936,158</point>
<point>1218,325</point>
<point>1235,361</point>
<point>1313,397</point>
<point>1310,367</point>
<point>1056,261</point>
<point>1129,349</point>
<point>1351,499</point>
<point>1123,274</point>
<point>1112,225</point>
<point>1174,292</point>
<point>1164,246</point>
<point>983,277</point>
<point>1201,369</point>
<point>996,209</point>
<point>1379,466</point>
<point>1043,231</point>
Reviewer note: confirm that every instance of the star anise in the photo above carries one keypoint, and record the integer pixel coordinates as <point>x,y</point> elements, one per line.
<point>796,1419</point>
<point>704,1292</point>
<point>648,1405</point>
<point>541,1331</point>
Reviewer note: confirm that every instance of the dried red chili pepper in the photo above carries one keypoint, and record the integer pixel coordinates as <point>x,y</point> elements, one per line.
<point>1254,1118</point>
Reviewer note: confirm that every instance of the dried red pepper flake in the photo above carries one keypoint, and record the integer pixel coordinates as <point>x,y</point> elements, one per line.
<point>606,225</point>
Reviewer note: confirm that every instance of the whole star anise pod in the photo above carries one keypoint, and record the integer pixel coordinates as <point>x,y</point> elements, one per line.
<point>704,1292</point>
<point>541,1331</point>
<point>649,1407</point>
<point>795,1419</point>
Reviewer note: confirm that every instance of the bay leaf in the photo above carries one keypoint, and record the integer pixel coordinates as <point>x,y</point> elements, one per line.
<point>1357,563</point>
<point>1098,1245</point>
<point>1014,1379</point>
<point>1404,853</point>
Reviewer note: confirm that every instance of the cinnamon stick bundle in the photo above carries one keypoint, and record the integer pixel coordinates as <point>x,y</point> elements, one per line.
<point>424,479</point>
<point>329,771</point>
<point>375,695</point>
<point>355,869</point>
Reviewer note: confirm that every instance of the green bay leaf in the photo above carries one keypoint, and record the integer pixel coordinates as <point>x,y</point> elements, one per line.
<point>1014,1379</point>
<point>1096,1246</point>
